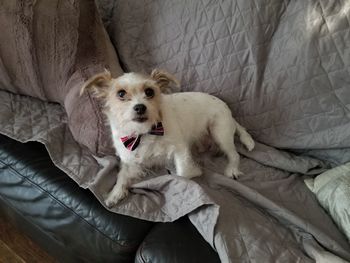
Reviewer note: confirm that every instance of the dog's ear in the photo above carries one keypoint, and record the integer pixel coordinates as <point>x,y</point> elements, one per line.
<point>167,82</point>
<point>98,84</point>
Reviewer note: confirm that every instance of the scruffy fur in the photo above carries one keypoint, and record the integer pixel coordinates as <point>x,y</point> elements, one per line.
<point>187,118</point>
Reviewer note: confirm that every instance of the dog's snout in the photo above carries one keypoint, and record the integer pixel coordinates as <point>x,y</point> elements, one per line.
<point>140,109</point>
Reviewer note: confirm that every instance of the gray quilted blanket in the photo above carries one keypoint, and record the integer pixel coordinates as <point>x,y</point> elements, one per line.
<point>282,66</point>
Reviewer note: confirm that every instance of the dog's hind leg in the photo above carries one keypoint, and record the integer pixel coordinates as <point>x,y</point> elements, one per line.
<point>222,134</point>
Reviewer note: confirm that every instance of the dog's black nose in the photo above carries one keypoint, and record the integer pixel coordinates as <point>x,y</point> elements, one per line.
<point>140,109</point>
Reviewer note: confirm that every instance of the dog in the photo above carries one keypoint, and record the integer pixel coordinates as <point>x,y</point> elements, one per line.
<point>150,127</point>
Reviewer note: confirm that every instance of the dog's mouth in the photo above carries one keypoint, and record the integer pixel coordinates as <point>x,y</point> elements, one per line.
<point>140,119</point>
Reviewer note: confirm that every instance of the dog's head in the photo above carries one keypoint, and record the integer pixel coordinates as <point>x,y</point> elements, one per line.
<point>132,101</point>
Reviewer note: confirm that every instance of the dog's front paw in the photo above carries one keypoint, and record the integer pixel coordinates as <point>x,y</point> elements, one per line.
<point>232,172</point>
<point>115,197</point>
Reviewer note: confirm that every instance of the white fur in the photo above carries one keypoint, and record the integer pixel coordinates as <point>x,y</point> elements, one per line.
<point>186,118</point>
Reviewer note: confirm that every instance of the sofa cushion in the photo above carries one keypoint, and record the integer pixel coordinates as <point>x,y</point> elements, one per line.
<point>69,215</point>
<point>175,242</point>
<point>282,66</point>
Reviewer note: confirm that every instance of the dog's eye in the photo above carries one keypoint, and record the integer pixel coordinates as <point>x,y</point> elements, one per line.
<point>121,93</point>
<point>149,92</point>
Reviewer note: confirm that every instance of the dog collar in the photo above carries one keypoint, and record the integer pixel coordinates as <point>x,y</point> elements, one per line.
<point>132,141</point>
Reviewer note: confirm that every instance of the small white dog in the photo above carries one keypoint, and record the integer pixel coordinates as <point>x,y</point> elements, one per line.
<point>151,128</point>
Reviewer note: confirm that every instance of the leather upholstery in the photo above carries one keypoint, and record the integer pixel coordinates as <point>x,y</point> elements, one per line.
<point>34,192</point>
<point>177,242</point>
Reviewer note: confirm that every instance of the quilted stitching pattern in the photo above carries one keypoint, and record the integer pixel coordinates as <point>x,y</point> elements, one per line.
<point>28,119</point>
<point>264,191</point>
<point>282,66</point>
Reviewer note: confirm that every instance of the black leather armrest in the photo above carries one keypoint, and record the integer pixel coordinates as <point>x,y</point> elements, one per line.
<point>68,220</point>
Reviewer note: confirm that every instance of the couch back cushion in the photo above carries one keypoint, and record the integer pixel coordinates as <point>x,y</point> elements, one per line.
<point>282,66</point>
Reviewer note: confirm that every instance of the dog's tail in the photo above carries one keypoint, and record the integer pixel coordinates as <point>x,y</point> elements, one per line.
<point>244,136</point>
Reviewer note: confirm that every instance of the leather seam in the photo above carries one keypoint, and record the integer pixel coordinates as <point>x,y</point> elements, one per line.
<point>139,253</point>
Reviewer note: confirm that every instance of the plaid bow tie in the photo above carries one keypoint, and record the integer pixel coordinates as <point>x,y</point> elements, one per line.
<point>131,142</point>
